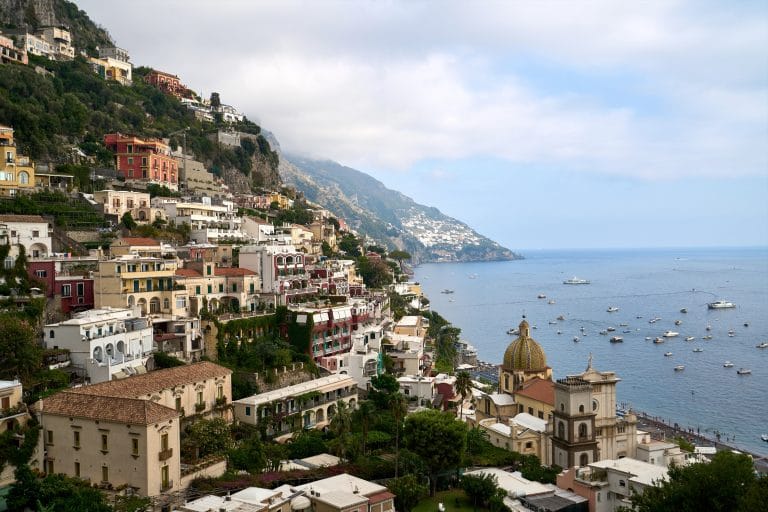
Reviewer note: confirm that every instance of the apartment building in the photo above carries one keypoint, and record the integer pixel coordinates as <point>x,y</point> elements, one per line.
<point>60,40</point>
<point>120,202</point>
<point>9,53</point>
<point>72,290</point>
<point>347,493</point>
<point>104,344</point>
<point>17,172</point>
<point>282,270</point>
<point>209,223</point>
<point>110,441</point>
<point>166,82</point>
<point>223,288</point>
<point>310,404</point>
<point>32,232</point>
<point>143,161</point>
<point>109,68</point>
<point>140,246</point>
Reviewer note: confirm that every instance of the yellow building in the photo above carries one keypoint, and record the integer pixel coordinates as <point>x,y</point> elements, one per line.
<point>17,172</point>
<point>224,288</point>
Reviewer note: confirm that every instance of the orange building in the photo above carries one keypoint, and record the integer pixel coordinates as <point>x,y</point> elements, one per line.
<point>143,160</point>
<point>166,82</point>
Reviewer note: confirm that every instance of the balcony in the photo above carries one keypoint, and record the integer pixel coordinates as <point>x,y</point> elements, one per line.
<point>165,454</point>
<point>199,407</point>
<point>221,401</point>
<point>167,485</point>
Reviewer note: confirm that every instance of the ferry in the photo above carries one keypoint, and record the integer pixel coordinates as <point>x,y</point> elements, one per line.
<point>721,304</point>
<point>679,368</point>
<point>612,309</point>
<point>617,339</point>
<point>576,280</point>
<point>671,334</point>
<point>728,364</point>
<point>744,371</point>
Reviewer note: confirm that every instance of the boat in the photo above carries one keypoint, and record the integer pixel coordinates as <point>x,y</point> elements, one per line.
<point>603,332</point>
<point>576,280</point>
<point>690,338</point>
<point>610,329</point>
<point>658,340</point>
<point>612,309</point>
<point>707,337</point>
<point>678,322</point>
<point>764,437</point>
<point>513,332</point>
<point>551,301</point>
<point>542,296</point>
<point>721,304</point>
<point>561,318</point>
<point>559,332</point>
<point>762,345</point>
<point>552,322</point>
<point>647,338</point>
<point>626,331</point>
<point>623,325</point>
<point>746,324</point>
<point>671,334</point>
<point>654,320</point>
<point>728,364</point>
<point>708,328</point>
<point>744,371</point>
<point>576,339</point>
<point>698,349</point>
<point>684,310</point>
<point>679,368</point>
<point>617,339</point>
<point>447,291</point>
<point>731,334</point>
<point>668,354</point>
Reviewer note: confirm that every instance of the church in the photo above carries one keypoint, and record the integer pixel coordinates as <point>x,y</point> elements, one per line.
<point>569,422</point>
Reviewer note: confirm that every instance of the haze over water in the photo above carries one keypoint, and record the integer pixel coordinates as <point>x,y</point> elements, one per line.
<point>491,297</point>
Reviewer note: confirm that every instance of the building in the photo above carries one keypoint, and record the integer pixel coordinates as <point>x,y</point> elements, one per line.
<point>104,344</point>
<point>9,53</point>
<point>310,404</point>
<point>222,288</point>
<point>114,52</point>
<point>120,202</point>
<point>361,362</point>
<point>33,44</point>
<point>143,161</point>
<point>209,223</point>
<point>523,433</point>
<point>282,270</point>
<point>523,495</point>
<point>347,493</point>
<point>17,172</point>
<point>196,179</point>
<point>418,389</point>
<point>139,246</point>
<point>32,232</point>
<point>60,40</point>
<point>166,82</point>
<point>524,360</point>
<point>73,290</point>
<point>113,69</point>
<point>110,441</point>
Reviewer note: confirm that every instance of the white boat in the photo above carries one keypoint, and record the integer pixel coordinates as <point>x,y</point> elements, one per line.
<point>679,368</point>
<point>728,364</point>
<point>617,339</point>
<point>612,309</point>
<point>513,332</point>
<point>658,340</point>
<point>698,349</point>
<point>671,334</point>
<point>764,437</point>
<point>690,338</point>
<point>610,329</point>
<point>552,322</point>
<point>561,318</point>
<point>762,345</point>
<point>603,332</point>
<point>721,304</point>
<point>542,296</point>
<point>708,328</point>
<point>623,325</point>
<point>447,291</point>
<point>647,338</point>
<point>678,322</point>
<point>707,337</point>
<point>668,354</point>
<point>552,301</point>
<point>576,339</point>
<point>744,371</point>
<point>575,280</point>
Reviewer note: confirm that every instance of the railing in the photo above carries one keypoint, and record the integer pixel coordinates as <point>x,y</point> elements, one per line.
<point>199,407</point>
<point>221,401</point>
<point>164,486</point>
<point>165,454</point>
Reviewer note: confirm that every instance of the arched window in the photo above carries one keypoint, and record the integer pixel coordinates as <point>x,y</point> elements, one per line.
<point>562,407</point>
<point>561,430</point>
<point>584,459</point>
<point>582,430</point>
<point>97,354</point>
<point>24,178</point>
<point>506,382</point>
<point>52,334</point>
<point>581,408</point>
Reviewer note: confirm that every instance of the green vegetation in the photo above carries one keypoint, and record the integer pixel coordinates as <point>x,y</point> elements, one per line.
<point>455,500</point>
<point>69,213</point>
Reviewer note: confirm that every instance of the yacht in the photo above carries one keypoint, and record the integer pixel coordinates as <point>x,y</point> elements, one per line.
<point>610,329</point>
<point>707,337</point>
<point>728,364</point>
<point>744,371</point>
<point>552,322</point>
<point>678,322</point>
<point>670,334</point>
<point>447,291</point>
<point>690,338</point>
<point>764,437</point>
<point>721,304</point>
<point>658,340</point>
<point>576,280</point>
<point>617,339</point>
<point>679,368</point>
<point>698,349</point>
<point>762,345</point>
<point>612,309</point>
<point>542,296</point>
<point>647,338</point>
<point>668,354</point>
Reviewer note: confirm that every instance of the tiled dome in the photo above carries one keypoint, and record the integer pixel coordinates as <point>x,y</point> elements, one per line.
<point>524,353</point>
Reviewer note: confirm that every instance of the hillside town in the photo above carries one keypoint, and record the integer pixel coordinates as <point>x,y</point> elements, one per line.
<point>171,344</point>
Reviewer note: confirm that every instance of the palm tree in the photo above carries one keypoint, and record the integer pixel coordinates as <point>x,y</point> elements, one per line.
<point>364,412</point>
<point>464,388</point>
<point>399,407</point>
<point>341,424</point>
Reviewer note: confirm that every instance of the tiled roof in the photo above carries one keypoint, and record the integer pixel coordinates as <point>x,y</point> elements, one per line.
<point>188,272</point>
<point>542,390</point>
<point>152,382</point>
<point>134,241</point>
<point>107,408</point>
<point>233,272</point>
<point>22,218</point>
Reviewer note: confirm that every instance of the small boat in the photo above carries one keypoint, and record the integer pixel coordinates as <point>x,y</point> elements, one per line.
<point>764,437</point>
<point>698,349</point>
<point>623,325</point>
<point>447,291</point>
<point>561,318</point>
<point>658,340</point>
<point>679,368</point>
<point>626,331</point>
<point>708,328</point>
<point>575,280</point>
<point>721,304</point>
<point>707,337</point>
<point>610,329</point>
<point>668,354</point>
<point>689,338</point>
<point>552,322</point>
<point>617,339</point>
<point>746,324</point>
<point>654,320</point>
<point>744,371</point>
<point>731,335</point>
<point>559,332</point>
<point>762,345</point>
<point>678,322</point>
<point>576,339</point>
<point>728,364</point>
<point>603,332</point>
<point>638,317</point>
<point>542,296</point>
<point>647,338</point>
<point>551,301</point>
<point>513,332</point>
<point>683,310</point>
<point>612,309</point>
<point>671,334</point>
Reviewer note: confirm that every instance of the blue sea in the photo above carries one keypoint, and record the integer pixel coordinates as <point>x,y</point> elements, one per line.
<point>491,297</point>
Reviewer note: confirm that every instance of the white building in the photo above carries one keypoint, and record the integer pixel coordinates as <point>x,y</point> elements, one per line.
<point>361,362</point>
<point>106,343</point>
<point>418,388</point>
<point>32,232</point>
<point>209,223</point>
<point>281,268</point>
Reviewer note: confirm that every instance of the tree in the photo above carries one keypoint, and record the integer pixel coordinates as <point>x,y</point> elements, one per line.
<point>127,221</point>
<point>727,483</point>
<point>248,456</point>
<point>382,388</point>
<point>399,255</point>
<point>363,415</point>
<point>438,439</point>
<point>20,356</point>
<point>464,388</point>
<point>350,245</point>
<point>375,273</point>
<point>341,425</point>
<point>480,488</point>
<point>163,360</point>
<point>408,491</point>
<point>399,407</point>
<point>209,436</point>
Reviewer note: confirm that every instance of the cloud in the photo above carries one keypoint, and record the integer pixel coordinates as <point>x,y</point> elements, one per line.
<point>389,84</point>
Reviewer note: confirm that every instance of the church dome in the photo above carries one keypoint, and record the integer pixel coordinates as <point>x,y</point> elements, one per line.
<point>524,353</point>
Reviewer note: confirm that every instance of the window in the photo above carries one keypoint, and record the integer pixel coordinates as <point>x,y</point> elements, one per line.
<point>247,410</point>
<point>49,467</point>
<point>6,403</point>
<point>77,469</point>
<point>221,287</point>
<point>164,442</point>
<point>529,445</point>
<point>8,263</point>
<point>80,289</point>
<point>530,411</point>
<point>164,477</point>
<point>234,287</point>
<point>66,290</point>
<point>41,273</point>
<point>52,334</point>
<point>35,233</point>
<point>582,430</point>
<point>208,270</point>
<point>134,446</point>
<point>210,288</point>
<point>622,483</point>
<point>200,397</point>
<point>581,408</point>
<point>104,443</point>
<point>181,302</point>
<point>144,161</point>
<point>130,162</point>
<point>197,290</point>
<point>178,403</point>
<point>76,440</point>
<point>105,473</point>
<point>49,436</point>
<point>220,392</point>
<point>130,148</point>
<point>24,178</point>
<point>166,303</point>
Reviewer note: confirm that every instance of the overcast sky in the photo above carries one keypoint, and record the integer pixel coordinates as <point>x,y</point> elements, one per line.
<point>540,124</point>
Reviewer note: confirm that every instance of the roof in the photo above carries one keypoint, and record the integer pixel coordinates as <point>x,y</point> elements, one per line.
<point>541,390</point>
<point>344,483</point>
<point>322,384</point>
<point>524,353</point>
<point>639,471</point>
<point>529,421</point>
<point>134,241</point>
<point>233,272</point>
<point>512,483</point>
<point>141,385</point>
<point>188,272</point>
<point>502,399</point>
<point>106,408</point>
<point>22,218</point>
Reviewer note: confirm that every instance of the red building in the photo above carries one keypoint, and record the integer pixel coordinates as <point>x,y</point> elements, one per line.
<point>143,160</point>
<point>72,292</point>
<point>166,82</point>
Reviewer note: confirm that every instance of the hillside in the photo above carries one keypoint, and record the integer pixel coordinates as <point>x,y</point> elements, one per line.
<point>387,215</point>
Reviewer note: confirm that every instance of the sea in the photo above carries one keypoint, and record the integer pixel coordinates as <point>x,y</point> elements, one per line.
<point>489,298</point>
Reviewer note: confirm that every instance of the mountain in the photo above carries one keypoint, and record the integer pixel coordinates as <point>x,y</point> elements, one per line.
<point>388,216</point>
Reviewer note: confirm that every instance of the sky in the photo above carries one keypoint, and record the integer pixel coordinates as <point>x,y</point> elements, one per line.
<point>547,124</point>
